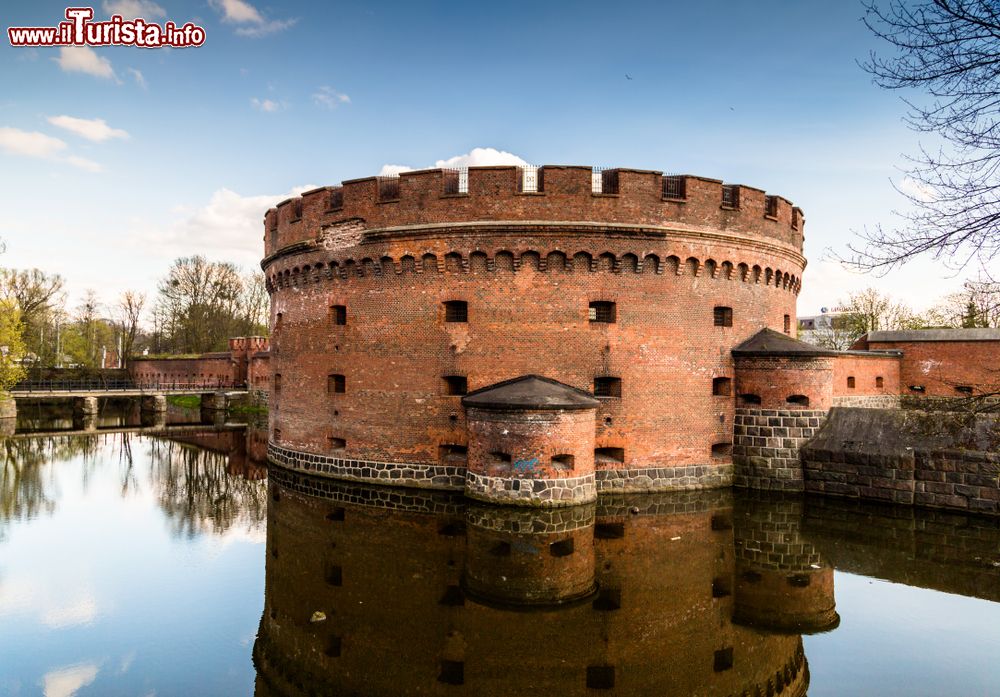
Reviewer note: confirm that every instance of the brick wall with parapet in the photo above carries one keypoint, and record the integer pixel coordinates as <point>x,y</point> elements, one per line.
<point>207,370</point>
<point>859,374</point>
<point>419,198</point>
<point>766,445</point>
<point>942,367</point>
<point>943,460</point>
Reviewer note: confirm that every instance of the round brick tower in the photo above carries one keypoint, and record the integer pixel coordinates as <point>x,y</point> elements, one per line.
<point>392,298</point>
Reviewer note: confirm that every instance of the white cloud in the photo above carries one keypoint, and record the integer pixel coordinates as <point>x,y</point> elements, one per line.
<point>229,226</point>
<point>96,130</point>
<point>29,143</point>
<point>477,157</point>
<point>917,189</point>
<point>84,163</point>
<point>330,98</point>
<point>137,76</point>
<point>266,105</point>
<point>66,682</point>
<point>482,157</point>
<point>83,59</point>
<point>130,9</point>
<point>252,22</point>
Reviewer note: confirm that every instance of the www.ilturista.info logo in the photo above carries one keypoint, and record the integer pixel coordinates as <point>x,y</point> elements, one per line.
<point>79,30</point>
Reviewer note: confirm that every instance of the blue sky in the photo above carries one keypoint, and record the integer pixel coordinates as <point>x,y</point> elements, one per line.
<point>196,143</point>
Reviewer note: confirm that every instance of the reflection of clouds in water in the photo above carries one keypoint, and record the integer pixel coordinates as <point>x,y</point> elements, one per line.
<point>81,611</point>
<point>65,682</point>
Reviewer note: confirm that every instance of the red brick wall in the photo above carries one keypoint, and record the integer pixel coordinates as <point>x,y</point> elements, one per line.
<point>528,286</point>
<point>775,379</point>
<point>259,372</point>
<point>567,196</point>
<point>208,370</point>
<point>531,439</point>
<point>865,370</point>
<point>941,365</point>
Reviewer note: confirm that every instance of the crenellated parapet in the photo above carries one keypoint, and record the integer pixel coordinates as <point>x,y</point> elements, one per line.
<point>296,272</point>
<point>631,198</point>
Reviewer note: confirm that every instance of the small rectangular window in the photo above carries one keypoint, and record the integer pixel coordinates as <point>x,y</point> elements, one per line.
<point>451,454</point>
<point>388,188</point>
<point>456,311</point>
<point>277,435</point>
<point>338,314</point>
<point>850,382</point>
<point>277,382</point>
<point>879,382</point>
<point>722,387</point>
<point>563,462</point>
<point>600,677</point>
<point>963,389</point>
<point>562,548</point>
<point>723,660</point>
<point>771,206</point>
<point>452,672</point>
<point>277,321</point>
<point>674,187</point>
<point>917,388</point>
<point>609,456</point>
<point>336,201</point>
<point>722,450</point>
<point>788,324</point>
<point>607,387</point>
<point>721,588</point>
<point>455,181</point>
<point>456,384</point>
<point>602,311</point>
<point>722,316</point>
<point>336,384</point>
<point>336,443</point>
<point>730,196</point>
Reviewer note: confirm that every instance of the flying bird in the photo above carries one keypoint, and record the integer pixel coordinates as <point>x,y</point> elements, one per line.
<point>627,76</point>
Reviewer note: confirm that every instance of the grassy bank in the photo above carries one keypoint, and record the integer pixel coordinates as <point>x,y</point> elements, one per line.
<point>187,401</point>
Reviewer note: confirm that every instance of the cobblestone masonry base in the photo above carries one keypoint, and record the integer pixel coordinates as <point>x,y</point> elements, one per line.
<point>394,473</point>
<point>650,479</point>
<point>563,491</point>
<point>766,446</point>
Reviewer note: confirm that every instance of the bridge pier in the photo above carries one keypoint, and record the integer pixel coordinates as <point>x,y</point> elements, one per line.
<point>213,407</point>
<point>84,422</point>
<point>8,415</point>
<point>152,403</point>
<point>85,406</point>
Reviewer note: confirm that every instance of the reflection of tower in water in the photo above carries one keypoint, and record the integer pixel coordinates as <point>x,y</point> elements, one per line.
<point>371,591</point>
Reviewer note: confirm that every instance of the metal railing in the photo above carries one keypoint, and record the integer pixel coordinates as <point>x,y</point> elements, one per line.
<point>98,385</point>
<point>674,186</point>
<point>456,181</point>
<point>604,181</point>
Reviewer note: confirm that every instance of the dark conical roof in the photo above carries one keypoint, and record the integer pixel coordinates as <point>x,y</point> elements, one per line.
<point>530,392</point>
<point>768,342</point>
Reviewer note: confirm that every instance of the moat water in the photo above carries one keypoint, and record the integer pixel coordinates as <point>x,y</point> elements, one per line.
<point>170,563</point>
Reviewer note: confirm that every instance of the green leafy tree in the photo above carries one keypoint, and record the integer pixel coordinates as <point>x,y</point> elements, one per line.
<point>11,345</point>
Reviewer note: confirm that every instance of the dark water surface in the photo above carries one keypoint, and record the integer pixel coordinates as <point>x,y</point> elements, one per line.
<point>167,564</point>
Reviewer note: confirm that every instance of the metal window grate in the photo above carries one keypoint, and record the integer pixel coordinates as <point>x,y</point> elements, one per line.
<point>530,179</point>
<point>674,187</point>
<point>601,311</point>
<point>336,198</point>
<point>722,316</point>
<point>731,196</point>
<point>456,181</point>
<point>604,181</point>
<point>388,188</point>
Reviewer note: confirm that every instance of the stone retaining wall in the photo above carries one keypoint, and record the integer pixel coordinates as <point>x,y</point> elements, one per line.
<point>766,446</point>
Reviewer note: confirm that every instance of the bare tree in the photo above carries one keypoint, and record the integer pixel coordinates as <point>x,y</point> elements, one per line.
<point>950,50</point>
<point>976,305</point>
<point>129,311</point>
